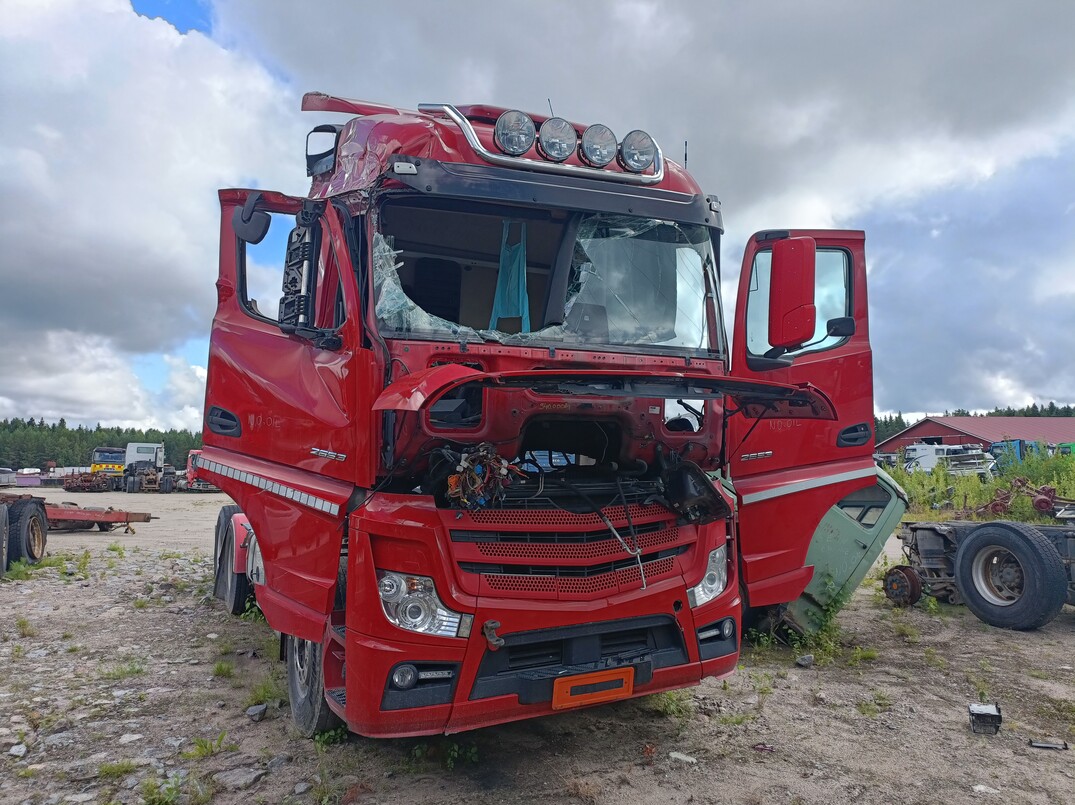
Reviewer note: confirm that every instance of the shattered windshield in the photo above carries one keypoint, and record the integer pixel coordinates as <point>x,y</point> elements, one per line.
<point>476,272</point>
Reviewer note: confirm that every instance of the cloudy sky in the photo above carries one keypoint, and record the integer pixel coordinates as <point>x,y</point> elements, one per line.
<point>946,131</point>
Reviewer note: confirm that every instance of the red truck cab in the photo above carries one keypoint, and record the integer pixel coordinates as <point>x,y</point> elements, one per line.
<point>492,454</point>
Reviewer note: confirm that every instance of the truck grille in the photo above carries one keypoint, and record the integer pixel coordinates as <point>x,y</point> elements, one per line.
<point>563,555</point>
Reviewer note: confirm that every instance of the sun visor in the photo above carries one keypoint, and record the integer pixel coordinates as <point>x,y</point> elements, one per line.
<point>755,398</point>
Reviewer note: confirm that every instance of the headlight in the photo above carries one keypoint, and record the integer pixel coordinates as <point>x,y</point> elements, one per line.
<point>598,145</point>
<point>557,139</point>
<point>411,603</point>
<point>714,581</point>
<point>514,133</point>
<point>637,151</point>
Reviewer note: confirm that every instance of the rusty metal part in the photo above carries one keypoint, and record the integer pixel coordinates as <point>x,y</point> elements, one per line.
<point>87,482</point>
<point>902,586</point>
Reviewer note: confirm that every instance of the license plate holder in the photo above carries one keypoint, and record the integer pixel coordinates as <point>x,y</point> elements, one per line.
<point>593,688</point>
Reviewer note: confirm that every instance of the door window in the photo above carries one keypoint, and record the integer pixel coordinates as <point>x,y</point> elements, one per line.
<point>261,276</point>
<point>832,300</point>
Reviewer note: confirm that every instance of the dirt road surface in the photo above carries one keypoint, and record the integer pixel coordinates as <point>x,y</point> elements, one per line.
<point>122,680</point>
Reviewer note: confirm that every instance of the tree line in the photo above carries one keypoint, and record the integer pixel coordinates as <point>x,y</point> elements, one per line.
<point>30,443</point>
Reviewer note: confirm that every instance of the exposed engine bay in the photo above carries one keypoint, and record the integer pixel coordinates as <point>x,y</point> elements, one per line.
<point>478,477</point>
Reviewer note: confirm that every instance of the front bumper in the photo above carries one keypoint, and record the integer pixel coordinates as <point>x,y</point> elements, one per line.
<point>660,645</point>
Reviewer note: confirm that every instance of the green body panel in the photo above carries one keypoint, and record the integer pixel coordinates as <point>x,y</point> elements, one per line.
<point>842,551</point>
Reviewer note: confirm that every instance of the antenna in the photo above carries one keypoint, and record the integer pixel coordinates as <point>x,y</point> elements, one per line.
<point>551,113</point>
<point>684,153</point>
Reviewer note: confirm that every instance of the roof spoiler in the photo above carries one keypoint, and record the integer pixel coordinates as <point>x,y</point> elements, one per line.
<point>320,102</point>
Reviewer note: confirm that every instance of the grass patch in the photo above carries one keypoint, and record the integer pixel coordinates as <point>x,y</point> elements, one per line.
<point>140,603</point>
<point>269,689</point>
<point>677,704</point>
<point>117,549</point>
<point>120,768</point>
<point>878,703</point>
<point>224,670</point>
<point>206,747</point>
<point>449,752</point>
<point>330,737</point>
<point>935,660</point>
<point>860,655</point>
<point>155,792</point>
<point>908,631</point>
<point>22,570</point>
<point>1060,711</point>
<point>1036,674</point>
<point>735,719</point>
<point>980,685</point>
<point>124,670</point>
<point>23,627</point>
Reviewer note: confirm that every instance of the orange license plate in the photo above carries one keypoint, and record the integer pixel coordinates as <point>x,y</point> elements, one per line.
<point>600,686</point>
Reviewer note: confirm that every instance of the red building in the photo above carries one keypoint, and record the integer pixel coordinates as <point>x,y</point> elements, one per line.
<point>983,430</point>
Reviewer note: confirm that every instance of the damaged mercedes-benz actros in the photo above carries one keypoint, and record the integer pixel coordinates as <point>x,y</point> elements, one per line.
<point>492,452</point>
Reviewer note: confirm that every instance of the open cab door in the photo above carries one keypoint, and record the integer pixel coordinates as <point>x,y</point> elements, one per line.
<point>801,318</point>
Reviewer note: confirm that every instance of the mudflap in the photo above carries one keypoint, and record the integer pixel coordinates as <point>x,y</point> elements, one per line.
<point>844,547</point>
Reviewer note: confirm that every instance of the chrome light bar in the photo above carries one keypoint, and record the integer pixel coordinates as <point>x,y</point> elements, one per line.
<point>456,117</point>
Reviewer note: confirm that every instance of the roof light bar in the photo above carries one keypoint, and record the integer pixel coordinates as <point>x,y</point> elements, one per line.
<point>636,177</point>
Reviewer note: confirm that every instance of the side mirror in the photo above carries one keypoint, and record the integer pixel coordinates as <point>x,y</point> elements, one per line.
<point>841,327</point>
<point>248,223</point>
<point>792,316</point>
<point>321,145</point>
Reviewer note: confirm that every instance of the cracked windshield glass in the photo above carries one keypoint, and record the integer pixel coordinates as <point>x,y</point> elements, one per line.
<point>517,276</point>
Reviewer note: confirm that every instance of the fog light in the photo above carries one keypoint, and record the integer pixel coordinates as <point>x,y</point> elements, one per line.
<point>727,627</point>
<point>514,132</point>
<point>557,139</point>
<point>598,145</point>
<point>637,151</point>
<point>404,677</point>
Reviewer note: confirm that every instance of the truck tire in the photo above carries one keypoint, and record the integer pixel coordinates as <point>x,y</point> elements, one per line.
<point>306,688</point>
<point>27,533</point>
<point>167,485</point>
<point>133,484</point>
<point>232,583</point>
<point>1010,576</point>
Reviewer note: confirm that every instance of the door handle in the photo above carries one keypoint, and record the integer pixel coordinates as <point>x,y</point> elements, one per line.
<point>854,435</point>
<point>223,422</point>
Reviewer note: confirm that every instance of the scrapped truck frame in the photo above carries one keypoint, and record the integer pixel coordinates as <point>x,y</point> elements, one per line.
<point>25,522</point>
<point>492,454</point>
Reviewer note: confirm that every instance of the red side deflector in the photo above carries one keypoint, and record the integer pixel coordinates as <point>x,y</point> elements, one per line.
<point>756,398</point>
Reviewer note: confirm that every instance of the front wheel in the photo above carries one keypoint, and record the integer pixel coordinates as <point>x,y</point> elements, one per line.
<point>1011,576</point>
<point>306,688</point>
<point>233,584</point>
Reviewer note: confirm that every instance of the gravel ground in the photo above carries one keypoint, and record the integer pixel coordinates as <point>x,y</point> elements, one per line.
<point>121,680</point>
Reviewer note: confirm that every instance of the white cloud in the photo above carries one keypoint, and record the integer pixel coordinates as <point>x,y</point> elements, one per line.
<point>115,135</point>
<point>117,130</point>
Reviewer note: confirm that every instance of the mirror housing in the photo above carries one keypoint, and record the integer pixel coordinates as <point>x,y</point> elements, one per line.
<point>792,316</point>
<point>320,155</point>
<point>842,327</point>
<point>248,223</point>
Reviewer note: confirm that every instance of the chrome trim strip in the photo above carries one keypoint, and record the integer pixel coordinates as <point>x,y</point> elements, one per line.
<point>302,498</point>
<point>812,483</point>
<point>503,160</point>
